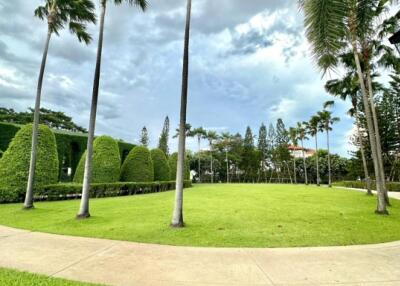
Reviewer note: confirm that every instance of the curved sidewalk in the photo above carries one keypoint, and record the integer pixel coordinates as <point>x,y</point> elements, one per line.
<point>126,263</point>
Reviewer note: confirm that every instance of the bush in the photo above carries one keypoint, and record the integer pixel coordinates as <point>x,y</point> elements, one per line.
<point>14,166</point>
<point>1,154</point>
<point>106,162</point>
<point>138,166</point>
<point>161,166</point>
<point>391,186</point>
<point>173,161</point>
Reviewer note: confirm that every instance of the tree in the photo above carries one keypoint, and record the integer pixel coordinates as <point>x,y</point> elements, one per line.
<point>212,136</point>
<point>327,121</point>
<point>58,13</point>
<point>177,217</point>
<point>138,166</point>
<point>302,131</point>
<point>354,27</point>
<point>313,128</point>
<point>249,162</point>
<point>164,137</point>
<point>263,148</point>
<point>84,206</point>
<point>199,133</point>
<point>282,153</point>
<point>144,137</point>
<point>161,166</point>
<point>293,134</point>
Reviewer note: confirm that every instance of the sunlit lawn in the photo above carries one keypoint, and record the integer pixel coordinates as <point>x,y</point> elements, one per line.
<point>223,216</point>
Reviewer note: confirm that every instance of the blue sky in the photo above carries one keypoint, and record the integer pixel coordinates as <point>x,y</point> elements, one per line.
<point>250,63</point>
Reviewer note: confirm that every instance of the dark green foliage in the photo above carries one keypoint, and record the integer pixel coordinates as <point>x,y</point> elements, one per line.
<point>138,166</point>
<point>14,166</point>
<point>173,160</point>
<point>164,137</point>
<point>161,165</point>
<point>1,154</point>
<point>106,162</point>
<point>69,191</point>
<point>70,146</point>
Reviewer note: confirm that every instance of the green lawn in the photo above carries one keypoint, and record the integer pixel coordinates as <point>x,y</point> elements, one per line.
<point>17,278</point>
<point>223,216</point>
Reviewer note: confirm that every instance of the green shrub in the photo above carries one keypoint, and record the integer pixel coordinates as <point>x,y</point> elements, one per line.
<point>138,166</point>
<point>106,162</point>
<point>391,186</point>
<point>173,161</point>
<point>14,165</point>
<point>161,165</point>
<point>1,154</point>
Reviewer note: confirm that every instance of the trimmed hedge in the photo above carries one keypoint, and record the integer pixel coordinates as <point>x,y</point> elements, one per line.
<point>106,162</point>
<point>70,146</point>
<point>173,162</point>
<point>1,154</point>
<point>391,186</point>
<point>161,165</point>
<point>68,191</point>
<point>138,166</point>
<point>14,166</point>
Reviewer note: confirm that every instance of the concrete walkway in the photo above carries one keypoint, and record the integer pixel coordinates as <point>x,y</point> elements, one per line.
<point>126,263</point>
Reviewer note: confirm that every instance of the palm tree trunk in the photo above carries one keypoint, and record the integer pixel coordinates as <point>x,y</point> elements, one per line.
<point>28,204</point>
<point>377,135</point>
<point>304,163</point>
<point>177,217</point>
<point>198,141</point>
<point>294,170</point>
<point>227,166</point>
<point>381,205</point>
<point>84,207</point>
<point>316,158</point>
<point>364,160</point>
<point>329,159</point>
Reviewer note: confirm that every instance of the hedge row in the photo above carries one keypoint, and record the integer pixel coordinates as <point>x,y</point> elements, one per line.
<point>68,191</point>
<point>391,186</point>
<point>70,145</point>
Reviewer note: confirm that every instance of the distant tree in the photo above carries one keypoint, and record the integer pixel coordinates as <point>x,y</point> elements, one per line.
<point>144,137</point>
<point>282,153</point>
<point>302,132</point>
<point>199,133</point>
<point>293,133</point>
<point>212,136</point>
<point>263,149</point>
<point>164,137</point>
<point>314,127</point>
<point>249,162</point>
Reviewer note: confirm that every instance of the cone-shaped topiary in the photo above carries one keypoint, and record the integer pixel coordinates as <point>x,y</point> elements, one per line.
<point>173,162</point>
<point>138,166</point>
<point>106,162</point>
<point>161,165</point>
<point>14,165</point>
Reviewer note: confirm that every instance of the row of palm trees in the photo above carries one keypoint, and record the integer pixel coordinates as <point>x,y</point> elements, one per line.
<point>356,28</point>
<point>321,122</point>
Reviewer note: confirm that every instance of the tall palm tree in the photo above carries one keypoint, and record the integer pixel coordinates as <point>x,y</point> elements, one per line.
<point>327,121</point>
<point>293,134</point>
<point>345,88</point>
<point>332,26</point>
<point>75,14</point>
<point>177,217</point>
<point>302,131</point>
<point>314,127</point>
<point>199,133</point>
<point>212,136</point>
<point>84,206</point>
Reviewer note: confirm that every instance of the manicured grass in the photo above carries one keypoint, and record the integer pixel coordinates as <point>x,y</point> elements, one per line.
<point>16,278</point>
<point>223,216</point>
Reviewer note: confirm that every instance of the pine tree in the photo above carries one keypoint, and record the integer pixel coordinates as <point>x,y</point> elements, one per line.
<point>164,137</point>
<point>144,137</point>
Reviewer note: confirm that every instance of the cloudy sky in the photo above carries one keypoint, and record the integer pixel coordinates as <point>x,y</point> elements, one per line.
<point>250,63</point>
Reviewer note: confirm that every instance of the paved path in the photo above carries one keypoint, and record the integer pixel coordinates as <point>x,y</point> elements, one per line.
<point>394,195</point>
<point>127,263</point>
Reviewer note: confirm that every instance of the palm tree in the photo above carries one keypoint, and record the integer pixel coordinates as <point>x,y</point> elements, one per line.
<point>177,218</point>
<point>226,139</point>
<point>302,131</point>
<point>333,25</point>
<point>293,134</point>
<point>75,14</point>
<point>212,136</point>
<point>327,121</point>
<point>84,207</point>
<point>200,133</point>
<point>314,127</point>
<point>349,88</point>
